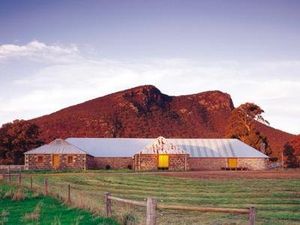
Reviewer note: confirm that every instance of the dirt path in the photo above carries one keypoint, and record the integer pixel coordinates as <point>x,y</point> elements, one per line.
<point>271,174</point>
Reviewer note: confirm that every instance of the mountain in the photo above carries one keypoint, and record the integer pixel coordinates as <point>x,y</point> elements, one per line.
<point>146,112</point>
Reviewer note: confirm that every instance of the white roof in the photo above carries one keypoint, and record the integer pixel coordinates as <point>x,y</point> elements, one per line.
<point>128,147</point>
<point>58,146</point>
<point>111,147</point>
<point>224,148</point>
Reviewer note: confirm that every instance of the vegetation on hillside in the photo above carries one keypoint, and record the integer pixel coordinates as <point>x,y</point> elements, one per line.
<point>242,125</point>
<point>16,138</point>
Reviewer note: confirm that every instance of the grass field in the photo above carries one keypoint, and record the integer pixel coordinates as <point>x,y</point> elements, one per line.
<point>20,206</point>
<point>277,200</point>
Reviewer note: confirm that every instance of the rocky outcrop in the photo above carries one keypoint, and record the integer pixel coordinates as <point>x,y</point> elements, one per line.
<point>146,112</point>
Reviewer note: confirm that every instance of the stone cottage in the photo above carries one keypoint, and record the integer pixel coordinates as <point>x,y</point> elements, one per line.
<point>58,155</point>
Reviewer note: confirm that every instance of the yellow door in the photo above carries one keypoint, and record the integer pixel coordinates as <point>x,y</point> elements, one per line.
<point>163,161</point>
<point>232,162</point>
<point>55,161</point>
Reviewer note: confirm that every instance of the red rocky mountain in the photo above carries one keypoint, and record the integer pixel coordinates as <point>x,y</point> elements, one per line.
<point>146,112</point>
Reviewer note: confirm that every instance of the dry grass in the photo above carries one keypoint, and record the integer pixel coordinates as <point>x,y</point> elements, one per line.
<point>35,214</point>
<point>277,200</point>
<point>4,217</point>
<point>15,194</point>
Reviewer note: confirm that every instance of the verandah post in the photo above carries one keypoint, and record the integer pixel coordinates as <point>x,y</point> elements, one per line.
<point>151,211</point>
<point>107,202</point>
<point>252,215</point>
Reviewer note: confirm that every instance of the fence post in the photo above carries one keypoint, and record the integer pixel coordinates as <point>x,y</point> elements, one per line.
<point>151,211</point>
<point>252,215</point>
<point>31,182</point>
<point>3,175</point>
<point>46,186</point>
<point>9,177</point>
<point>69,193</point>
<point>20,179</point>
<point>107,202</point>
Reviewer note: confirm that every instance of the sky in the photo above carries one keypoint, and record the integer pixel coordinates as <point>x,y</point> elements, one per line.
<point>57,53</point>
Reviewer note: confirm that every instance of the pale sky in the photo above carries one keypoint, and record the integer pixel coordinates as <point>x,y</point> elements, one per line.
<point>55,54</point>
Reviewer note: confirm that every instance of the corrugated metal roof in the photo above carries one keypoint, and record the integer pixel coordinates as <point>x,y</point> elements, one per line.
<point>111,147</point>
<point>225,148</point>
<point>58,146</point>
<point>128,147</point>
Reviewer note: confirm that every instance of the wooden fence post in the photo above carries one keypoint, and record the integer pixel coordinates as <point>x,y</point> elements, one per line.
<point>9,177</point>
<point>20,179</point>
<point>31,182</point>
<point>107,202</point>
<point>46,186</point>
<point>252,215</point>
<point>69,193</point>
<point>151,211</point>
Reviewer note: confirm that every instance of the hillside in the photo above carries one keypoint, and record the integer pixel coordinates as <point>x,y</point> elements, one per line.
<point>146,112</point>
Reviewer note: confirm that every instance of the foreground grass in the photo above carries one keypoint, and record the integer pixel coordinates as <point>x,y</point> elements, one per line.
<point>277,201</point>
<point>19,206</point>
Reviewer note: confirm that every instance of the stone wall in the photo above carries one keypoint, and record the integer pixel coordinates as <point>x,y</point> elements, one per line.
<point>178,162</point>
<point>113,162</point>
<point>149,162</point>
<point>219,163</point>
<point>32,163</point>
<point>90,162</point>
<point>207,163</point>
<point>253,163</point>
<point>143,162</point>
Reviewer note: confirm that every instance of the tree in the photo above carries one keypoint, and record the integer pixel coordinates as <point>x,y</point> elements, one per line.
<point>15,139</point>
<point>291,159</point>
<point>242,125</point>
<point>295,143</point>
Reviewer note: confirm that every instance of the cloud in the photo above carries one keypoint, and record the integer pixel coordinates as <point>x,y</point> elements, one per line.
<point>39,52</point>
<point>68,77</point>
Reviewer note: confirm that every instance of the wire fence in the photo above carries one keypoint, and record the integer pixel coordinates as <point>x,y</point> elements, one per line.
<point>126,211</point>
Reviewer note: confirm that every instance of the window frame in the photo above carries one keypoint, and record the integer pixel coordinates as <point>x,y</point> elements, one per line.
<point>40,159</point>
<point>70,159</point>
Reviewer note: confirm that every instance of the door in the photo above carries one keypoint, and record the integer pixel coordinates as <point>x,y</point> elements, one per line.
<point>163,161</point>
<point>55,161</point>
<point>232,163</point>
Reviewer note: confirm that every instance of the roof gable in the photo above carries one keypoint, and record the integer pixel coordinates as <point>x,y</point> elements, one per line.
<point>162,146</point>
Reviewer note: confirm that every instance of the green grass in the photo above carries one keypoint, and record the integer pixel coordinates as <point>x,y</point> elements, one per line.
<point>277,200</point>
<point>51,211</point>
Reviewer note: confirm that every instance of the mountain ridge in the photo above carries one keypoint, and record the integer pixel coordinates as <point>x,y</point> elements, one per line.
<point>145,111</point>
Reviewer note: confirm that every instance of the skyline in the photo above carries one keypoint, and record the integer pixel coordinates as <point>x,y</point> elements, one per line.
<point>58,53</point>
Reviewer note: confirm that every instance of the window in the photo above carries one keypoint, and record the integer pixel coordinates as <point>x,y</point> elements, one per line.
<point>70,159</point>
<point>40,159</point>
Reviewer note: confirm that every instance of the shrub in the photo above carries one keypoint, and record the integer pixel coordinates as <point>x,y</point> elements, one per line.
<point>15,195</point>
<point>129,167</point>
<point>18,195</point>
<point>129,219</point>
<point>107,167</point>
